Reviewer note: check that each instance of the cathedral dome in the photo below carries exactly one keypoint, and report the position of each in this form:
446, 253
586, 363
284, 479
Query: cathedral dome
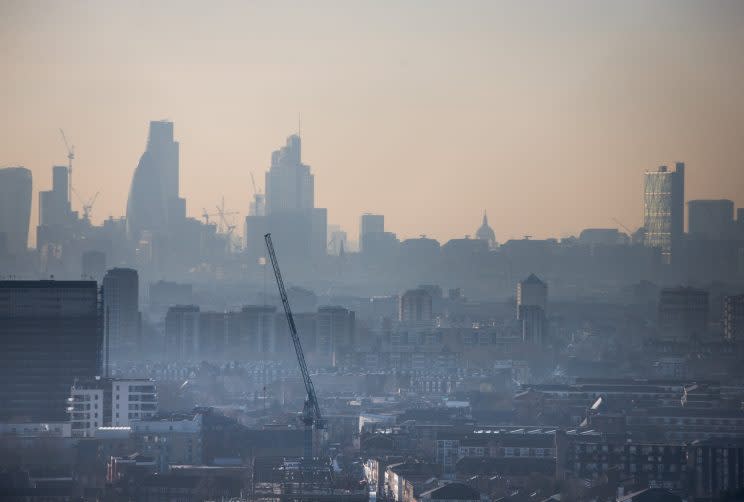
485, 232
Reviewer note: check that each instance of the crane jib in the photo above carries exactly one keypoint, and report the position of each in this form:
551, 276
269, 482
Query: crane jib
312, 399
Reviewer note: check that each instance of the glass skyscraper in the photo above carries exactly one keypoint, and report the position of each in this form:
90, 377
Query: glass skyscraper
664, 209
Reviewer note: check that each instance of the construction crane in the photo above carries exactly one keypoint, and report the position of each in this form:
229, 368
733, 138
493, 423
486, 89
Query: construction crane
311, 415
630, 232
70, 158
87, 206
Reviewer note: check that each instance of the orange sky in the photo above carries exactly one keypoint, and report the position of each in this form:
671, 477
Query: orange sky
544, 113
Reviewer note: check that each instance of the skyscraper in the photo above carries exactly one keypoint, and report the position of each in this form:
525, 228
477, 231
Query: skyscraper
121, 313
289, 184
54, 204
153, 197
664, 209
298, 228
50, 334
15, 208
371, 227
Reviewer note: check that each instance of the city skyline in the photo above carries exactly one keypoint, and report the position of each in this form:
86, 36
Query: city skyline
647, 67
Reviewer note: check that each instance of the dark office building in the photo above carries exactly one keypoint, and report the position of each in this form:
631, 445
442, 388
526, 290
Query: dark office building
50, 334
710, 219
683, 313
15, 208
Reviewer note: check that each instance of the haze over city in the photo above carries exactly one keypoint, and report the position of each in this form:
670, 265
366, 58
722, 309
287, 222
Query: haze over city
372, 251
545, 114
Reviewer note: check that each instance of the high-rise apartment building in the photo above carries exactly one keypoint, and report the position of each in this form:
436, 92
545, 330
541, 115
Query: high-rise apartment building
50, 334
15, 208
182, 336
121, 315
664, 209
334, 330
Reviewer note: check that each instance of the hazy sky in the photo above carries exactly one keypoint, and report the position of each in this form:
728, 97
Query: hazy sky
546, 114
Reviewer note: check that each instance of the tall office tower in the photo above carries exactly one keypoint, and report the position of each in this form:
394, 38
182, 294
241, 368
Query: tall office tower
532, 307
733, 318
710, 219
15, 207
93, 264
121, 316
289, 184
182, 339
153, 201
334, 331
486, 233
664, 209
298, 228
50, 334
258, 333
54, 204
371, 227
683, 313
415, 305
106, 402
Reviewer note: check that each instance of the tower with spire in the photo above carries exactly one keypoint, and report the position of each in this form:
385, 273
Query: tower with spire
485, 232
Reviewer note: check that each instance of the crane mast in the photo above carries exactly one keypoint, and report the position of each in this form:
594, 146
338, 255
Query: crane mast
311, 415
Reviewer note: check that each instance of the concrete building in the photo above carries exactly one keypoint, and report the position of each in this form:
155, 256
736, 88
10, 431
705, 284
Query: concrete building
334, 330
710, 219
258, 331
683, 313
50, 334
415, 306
182, 336
532, 306
110, 402
121, 315
15, 208
664, 209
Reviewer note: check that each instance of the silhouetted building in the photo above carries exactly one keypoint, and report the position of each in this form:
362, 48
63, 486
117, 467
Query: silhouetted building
121, 313
182, 338
664, 209
153, 201
93, 265
602, 236
371, 226
257, 331
334, 331
683, 313
298, 228
486, 233
415, 306
54, 204
710, 219
15, 208
532, 305
733, 318
50, 334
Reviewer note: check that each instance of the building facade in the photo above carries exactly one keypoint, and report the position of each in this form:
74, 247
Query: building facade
664, 209
15, 208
